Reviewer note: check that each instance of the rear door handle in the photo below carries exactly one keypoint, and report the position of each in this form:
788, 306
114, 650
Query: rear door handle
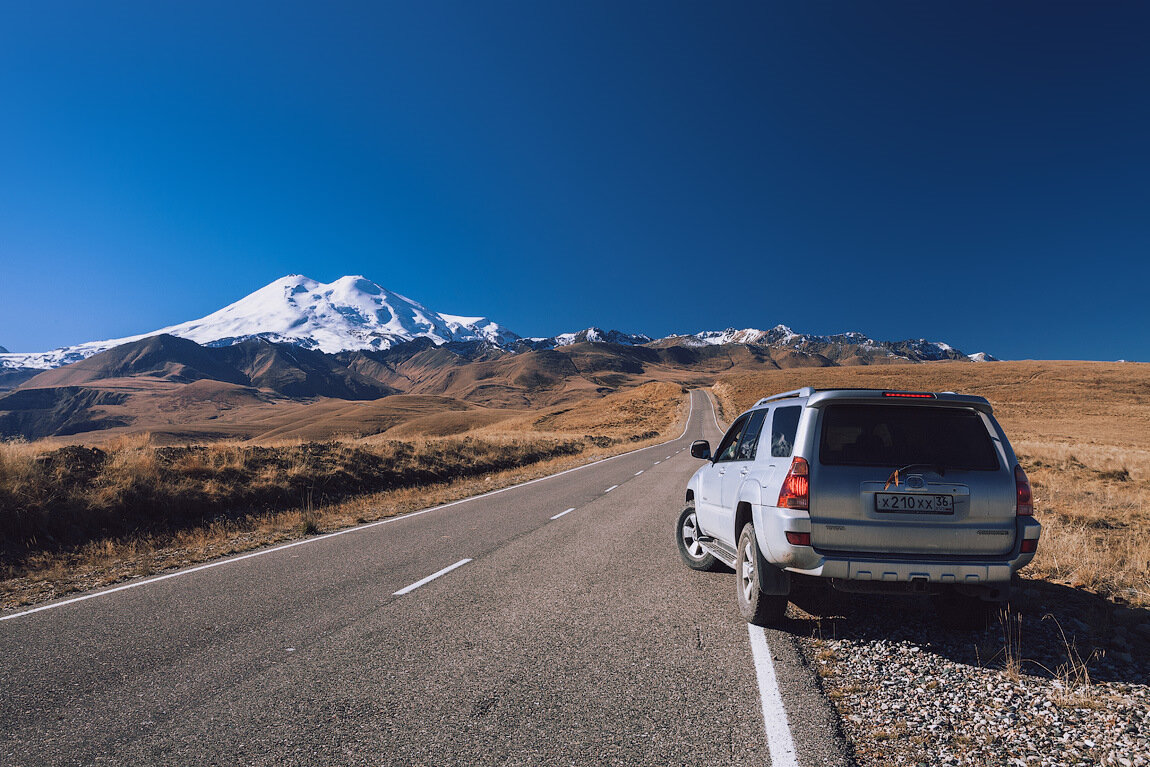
744, 471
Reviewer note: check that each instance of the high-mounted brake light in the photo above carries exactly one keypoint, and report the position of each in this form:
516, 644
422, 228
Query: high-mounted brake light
1023, 503
796, 490
908, 394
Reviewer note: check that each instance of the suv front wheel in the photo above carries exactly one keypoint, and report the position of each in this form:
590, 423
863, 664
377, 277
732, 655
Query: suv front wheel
755, 606
687, 536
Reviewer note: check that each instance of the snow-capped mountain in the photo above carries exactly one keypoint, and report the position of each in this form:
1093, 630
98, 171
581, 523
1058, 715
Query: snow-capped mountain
348, 314
589, 335
781, 336
353, 313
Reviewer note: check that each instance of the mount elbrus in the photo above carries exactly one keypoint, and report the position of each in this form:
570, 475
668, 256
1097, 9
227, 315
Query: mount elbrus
354, 313
298, 341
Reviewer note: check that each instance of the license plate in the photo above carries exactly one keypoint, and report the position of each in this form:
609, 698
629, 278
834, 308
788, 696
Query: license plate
914, 503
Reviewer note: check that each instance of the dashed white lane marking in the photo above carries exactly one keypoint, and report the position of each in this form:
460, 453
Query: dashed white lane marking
336, 534
430, 578
610, 488
658, 462
563, 512
640, 471
779, 741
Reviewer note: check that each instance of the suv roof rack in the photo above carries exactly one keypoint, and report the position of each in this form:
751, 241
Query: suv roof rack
806, 391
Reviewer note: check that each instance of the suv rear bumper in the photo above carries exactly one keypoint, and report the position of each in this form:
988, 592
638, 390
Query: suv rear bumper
927, 572
876, 567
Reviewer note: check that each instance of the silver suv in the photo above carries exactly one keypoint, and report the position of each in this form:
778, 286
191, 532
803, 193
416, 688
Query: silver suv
877, 491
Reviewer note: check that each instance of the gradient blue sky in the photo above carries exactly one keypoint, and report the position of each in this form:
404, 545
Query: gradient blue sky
971, 172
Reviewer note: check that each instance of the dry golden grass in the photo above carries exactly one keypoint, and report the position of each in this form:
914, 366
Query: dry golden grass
75, 519
1080, 429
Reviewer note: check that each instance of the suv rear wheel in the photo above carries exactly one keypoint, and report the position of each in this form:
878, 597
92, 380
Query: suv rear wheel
755, 606
687, 536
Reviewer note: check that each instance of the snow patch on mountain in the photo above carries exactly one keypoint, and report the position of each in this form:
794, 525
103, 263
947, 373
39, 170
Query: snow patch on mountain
351, 313
588, 335
781, 336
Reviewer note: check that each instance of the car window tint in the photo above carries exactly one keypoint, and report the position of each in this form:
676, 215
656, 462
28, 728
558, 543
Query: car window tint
784, 426
749, 443
891, 435
726, 449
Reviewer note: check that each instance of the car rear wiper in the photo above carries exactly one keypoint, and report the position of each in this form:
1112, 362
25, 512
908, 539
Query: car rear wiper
938, 468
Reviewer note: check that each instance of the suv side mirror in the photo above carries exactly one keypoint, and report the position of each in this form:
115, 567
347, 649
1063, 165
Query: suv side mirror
701, 448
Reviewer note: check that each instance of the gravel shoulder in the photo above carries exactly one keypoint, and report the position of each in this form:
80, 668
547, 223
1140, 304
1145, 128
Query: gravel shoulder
1060, 679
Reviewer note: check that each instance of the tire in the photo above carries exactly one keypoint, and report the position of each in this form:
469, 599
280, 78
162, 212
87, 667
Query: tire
687, 536
755, 606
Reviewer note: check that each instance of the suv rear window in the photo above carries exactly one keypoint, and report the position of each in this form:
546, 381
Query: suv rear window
895, 436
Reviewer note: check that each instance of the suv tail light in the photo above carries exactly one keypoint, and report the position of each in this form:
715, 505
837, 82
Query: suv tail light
796, 490
1023, 504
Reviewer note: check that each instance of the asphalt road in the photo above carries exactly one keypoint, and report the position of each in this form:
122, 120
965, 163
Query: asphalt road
575, 640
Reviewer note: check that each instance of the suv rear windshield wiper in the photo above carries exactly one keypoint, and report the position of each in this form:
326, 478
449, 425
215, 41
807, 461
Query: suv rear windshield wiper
938, 468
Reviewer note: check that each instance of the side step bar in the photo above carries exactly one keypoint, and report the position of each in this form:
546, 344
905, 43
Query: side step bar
718, 550
772, 580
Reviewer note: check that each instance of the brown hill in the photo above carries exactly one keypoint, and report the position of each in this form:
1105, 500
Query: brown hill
282, 368
59, 411
256, 389
163, 356
10, 378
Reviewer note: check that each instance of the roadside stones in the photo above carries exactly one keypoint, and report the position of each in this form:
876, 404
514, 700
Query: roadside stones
910, 693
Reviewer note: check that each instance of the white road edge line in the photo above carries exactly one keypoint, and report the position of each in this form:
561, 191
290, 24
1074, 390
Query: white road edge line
345, 531
779, 741
714, 412
610, 488
430, 578
563, 512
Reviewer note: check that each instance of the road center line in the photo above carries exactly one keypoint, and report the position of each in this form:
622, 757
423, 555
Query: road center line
779, 741
658, 462
337, 533
430, 578
610, 488
640, 471
563, 512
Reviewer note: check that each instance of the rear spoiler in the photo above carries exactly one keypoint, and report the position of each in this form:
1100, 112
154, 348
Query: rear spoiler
876, 396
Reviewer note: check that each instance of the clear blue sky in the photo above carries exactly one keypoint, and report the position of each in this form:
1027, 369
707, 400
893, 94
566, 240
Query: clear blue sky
971, 172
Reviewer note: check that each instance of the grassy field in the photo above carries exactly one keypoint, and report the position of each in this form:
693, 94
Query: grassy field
1081, 431
76, 517
73, 518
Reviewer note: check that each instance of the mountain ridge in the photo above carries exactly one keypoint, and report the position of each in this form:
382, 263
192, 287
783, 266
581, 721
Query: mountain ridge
180, 390
353, 313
